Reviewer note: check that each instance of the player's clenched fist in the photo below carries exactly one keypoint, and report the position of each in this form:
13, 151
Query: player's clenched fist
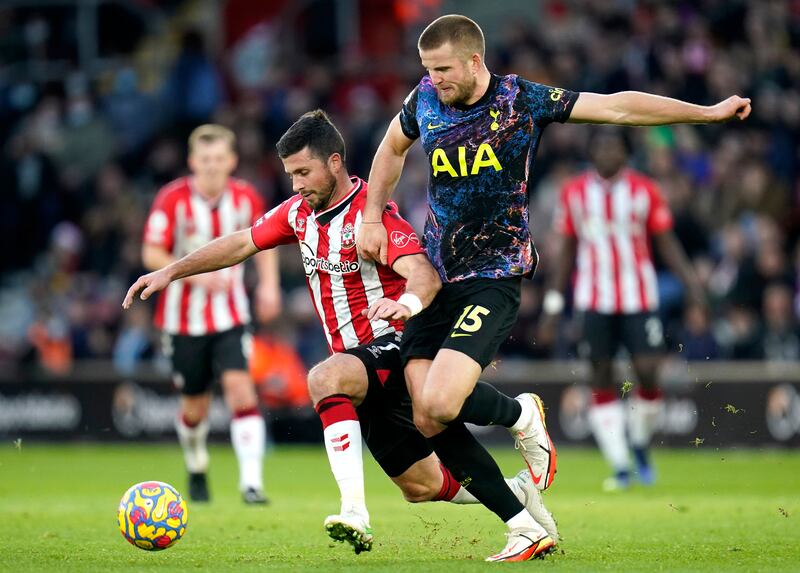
734, 106
147, 285
372, 242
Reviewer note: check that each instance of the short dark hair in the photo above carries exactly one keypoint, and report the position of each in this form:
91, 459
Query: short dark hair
314, 130
599, 132
462, 33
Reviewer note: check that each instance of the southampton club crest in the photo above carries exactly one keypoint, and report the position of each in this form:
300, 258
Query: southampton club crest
348, 236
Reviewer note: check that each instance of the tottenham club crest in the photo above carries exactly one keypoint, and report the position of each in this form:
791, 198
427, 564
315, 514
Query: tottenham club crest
348, 237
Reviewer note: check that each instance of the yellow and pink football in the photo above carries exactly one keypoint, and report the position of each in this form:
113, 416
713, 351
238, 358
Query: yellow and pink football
152, 515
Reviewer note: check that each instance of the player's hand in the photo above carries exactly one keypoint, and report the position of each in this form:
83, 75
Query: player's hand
268, 302
734, 106
372, 242
213, 282
387, 309
146, 285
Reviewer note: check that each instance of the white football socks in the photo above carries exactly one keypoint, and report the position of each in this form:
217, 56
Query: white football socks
608, 425
644, 419
248, 435
343, 445
193, 441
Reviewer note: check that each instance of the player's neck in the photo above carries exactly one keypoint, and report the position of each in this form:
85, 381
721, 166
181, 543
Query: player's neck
612, 177
484, 78
208, 191
343, 186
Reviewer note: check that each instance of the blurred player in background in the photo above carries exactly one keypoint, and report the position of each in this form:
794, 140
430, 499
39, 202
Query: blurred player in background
204, 319
480, 132
607, 218
360, 391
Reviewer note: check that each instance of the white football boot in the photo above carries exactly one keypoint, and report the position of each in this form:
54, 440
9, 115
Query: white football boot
524, 545
534, 443
533, 502
351, 527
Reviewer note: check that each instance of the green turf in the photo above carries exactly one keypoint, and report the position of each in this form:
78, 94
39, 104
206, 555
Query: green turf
710, 511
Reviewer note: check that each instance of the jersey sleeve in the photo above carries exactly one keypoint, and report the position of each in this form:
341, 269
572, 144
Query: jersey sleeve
547, 104
564, 224
273, 228
159, 230
402, 238
408, 115
659, 219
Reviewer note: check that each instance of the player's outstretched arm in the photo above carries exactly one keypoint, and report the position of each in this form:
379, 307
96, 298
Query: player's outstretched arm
218, 254
383, 177
638, 108
422, 284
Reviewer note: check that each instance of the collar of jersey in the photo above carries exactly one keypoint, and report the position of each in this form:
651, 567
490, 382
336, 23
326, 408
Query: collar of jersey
608, 184
212, 203
493, 81
324, 217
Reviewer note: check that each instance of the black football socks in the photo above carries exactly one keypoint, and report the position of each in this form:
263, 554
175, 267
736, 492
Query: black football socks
488, 406
475, 469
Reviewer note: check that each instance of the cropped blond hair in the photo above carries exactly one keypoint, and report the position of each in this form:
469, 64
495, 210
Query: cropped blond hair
211, 132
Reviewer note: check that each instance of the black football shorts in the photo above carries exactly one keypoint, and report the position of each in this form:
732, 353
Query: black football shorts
197, 361
386, 417
603, 334
472, 316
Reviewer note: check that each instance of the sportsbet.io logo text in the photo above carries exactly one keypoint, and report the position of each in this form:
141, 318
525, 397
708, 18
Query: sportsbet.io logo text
312, 263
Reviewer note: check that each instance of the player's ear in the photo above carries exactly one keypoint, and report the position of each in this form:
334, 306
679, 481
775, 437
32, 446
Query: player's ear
335, 163
475, 63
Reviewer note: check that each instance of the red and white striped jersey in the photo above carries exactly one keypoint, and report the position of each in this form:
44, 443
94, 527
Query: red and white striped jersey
613, 221
341, 283
181, 220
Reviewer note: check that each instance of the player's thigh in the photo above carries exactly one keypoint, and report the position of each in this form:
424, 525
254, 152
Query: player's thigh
643, 334
422, 481
484, 311
644, 339
600, 337
342, 373
191, 362
416, 372
387, 420
451, 378
425, 333
230, 351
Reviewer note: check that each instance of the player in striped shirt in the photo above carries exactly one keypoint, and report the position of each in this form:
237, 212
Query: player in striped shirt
204, 318
360, 390
607, 217
480, 132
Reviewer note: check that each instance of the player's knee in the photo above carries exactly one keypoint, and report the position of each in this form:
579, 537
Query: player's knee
194, 410
428, 427
239, 390
324, 380
335, 376
440, 409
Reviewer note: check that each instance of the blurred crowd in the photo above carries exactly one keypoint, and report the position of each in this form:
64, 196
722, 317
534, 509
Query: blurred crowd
83, 157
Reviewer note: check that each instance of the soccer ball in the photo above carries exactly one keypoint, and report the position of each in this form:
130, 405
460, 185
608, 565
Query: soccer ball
152, 515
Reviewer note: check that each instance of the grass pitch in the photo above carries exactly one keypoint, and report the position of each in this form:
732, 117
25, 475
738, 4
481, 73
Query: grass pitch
711, 510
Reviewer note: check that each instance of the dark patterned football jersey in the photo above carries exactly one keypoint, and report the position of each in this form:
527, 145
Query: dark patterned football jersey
480, 157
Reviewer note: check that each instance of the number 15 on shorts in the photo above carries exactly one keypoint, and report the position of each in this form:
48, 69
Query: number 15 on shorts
470, 321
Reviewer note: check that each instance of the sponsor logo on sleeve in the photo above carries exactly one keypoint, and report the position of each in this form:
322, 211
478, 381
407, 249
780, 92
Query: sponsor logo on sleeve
400, 239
